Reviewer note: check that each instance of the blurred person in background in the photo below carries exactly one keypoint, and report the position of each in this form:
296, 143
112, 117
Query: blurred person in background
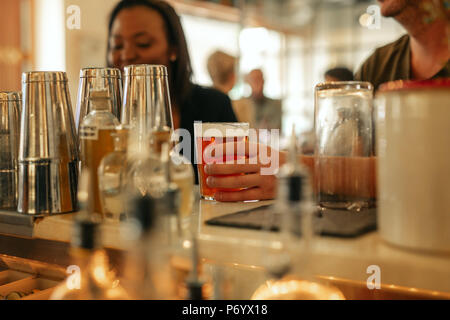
267, 112
222, 70
150, 32
423, 53
338, 74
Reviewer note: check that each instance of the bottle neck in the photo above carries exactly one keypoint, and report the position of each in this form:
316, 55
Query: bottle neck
100, 105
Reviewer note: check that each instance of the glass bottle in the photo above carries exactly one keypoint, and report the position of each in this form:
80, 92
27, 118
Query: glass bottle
112, 175
182, 174
91, 277
147, 271
289, 265
95, 138
145, 172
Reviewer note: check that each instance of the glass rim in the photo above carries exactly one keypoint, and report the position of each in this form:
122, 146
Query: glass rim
359, 85
10, 96
219, 129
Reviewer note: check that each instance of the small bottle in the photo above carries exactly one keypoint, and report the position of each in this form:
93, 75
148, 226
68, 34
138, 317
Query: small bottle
147, 271
145, 172
291, 264
194, 284
95, 137
112, 175
182, 174
295, 197
91, 277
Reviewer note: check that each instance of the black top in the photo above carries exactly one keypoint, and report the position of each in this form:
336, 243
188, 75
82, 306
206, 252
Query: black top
206, 105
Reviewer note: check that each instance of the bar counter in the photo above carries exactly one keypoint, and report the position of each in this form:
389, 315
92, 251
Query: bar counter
340, 260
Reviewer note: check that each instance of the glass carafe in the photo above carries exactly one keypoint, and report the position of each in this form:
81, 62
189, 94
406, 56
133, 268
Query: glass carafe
112, 175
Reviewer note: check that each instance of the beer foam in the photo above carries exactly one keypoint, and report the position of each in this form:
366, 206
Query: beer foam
221, 129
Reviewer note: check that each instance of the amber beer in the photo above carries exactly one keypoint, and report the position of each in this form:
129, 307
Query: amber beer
210, 133
159, 137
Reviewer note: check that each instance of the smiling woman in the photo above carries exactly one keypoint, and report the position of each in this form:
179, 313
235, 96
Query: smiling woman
150, 32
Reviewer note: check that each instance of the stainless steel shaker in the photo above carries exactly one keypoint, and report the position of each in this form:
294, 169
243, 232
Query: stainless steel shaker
48, 151
146, 100
112, 80
9, 147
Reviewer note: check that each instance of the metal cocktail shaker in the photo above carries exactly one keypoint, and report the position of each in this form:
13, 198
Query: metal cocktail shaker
146, 99
9, 147
112, 79
48, 152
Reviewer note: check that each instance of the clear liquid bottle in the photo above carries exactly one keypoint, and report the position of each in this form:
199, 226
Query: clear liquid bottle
290, 265
91, 277
112, 175
147, 271
95, 138
182, 174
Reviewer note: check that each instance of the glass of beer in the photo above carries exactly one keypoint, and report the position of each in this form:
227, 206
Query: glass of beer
209, 137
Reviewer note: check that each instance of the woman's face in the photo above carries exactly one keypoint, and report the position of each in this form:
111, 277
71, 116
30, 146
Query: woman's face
138, 36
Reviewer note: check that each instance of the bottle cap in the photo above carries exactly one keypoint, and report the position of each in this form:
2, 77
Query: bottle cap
86, 234
296, 188
195, 290
143, 211
99, 93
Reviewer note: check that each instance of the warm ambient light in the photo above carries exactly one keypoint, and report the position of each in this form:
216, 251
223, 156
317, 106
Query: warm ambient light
366, 20
50, 35
296, 290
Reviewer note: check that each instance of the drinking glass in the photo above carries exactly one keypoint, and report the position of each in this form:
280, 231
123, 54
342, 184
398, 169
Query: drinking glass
10, 106
344, 159
146, 102
208, 134
48, 150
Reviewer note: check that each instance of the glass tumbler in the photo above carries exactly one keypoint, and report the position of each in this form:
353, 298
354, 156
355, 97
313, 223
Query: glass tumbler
209, 134
344, 174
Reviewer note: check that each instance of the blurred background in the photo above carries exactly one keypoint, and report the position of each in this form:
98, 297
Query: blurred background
292, 41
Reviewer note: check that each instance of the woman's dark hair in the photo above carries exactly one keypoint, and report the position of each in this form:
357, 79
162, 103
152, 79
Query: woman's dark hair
340, 73
180, 69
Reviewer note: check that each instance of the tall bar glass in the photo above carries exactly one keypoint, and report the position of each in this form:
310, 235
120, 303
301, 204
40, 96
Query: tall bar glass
207, 134
10, 106
48, 151
344, 153
146, 102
